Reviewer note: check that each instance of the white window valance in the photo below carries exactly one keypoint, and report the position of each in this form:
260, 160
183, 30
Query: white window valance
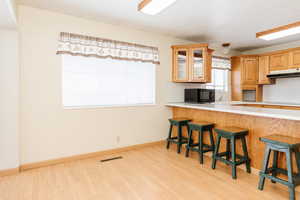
221, 63
81, 45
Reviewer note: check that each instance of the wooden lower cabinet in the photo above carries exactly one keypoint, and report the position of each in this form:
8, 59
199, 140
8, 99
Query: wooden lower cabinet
257, 126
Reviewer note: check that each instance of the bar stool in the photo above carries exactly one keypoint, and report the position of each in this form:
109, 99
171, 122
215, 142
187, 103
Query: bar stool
179, 139
287, 145
201, 127
231, 134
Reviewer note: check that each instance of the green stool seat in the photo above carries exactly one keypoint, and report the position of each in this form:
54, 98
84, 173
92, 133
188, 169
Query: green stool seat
287, 145
179, 139
231, 134
201, 127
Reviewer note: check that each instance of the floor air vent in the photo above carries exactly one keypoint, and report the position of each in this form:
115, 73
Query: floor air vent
110, 159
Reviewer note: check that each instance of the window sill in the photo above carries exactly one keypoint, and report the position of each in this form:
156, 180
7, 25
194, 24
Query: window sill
107, 106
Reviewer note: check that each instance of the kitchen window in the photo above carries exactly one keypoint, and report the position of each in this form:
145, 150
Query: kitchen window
220, 78
92, 82
103, 72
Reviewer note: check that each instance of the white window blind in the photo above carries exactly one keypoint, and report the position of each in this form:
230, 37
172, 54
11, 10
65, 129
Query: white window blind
89, 82
220, 78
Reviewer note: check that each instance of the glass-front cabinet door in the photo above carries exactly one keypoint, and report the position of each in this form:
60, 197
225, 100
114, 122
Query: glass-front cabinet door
192, 63
197, 64
181, 65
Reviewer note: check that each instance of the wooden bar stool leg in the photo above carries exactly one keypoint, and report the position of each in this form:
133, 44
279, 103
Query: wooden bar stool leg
212, 142
228, 155
289, 164
297, 154
201, 146
179, 139
275, 165
244, 145
233, 155
169, 136
190, 142
214, 162
264, 168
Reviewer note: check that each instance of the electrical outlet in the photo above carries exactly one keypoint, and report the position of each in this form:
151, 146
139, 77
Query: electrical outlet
118, 139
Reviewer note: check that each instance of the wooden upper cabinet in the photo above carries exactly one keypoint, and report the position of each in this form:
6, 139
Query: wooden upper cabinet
236, 90
192, 63
279, 61
264, 70
294, 59
249, 71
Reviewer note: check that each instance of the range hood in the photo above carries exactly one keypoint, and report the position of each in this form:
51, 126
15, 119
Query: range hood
290, 73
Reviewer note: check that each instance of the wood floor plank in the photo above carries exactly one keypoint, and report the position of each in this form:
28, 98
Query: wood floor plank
144, 174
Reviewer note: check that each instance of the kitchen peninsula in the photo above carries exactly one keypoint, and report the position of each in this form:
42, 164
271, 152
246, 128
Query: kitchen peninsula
259, 121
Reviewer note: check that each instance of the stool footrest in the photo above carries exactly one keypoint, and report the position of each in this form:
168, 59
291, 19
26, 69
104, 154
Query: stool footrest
175, 141
194, 145
203, 151
279, 180
240, 159
296, 176
197, 145
223, 154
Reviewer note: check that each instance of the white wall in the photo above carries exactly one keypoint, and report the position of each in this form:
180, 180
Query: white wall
285, 90
47, 130
9, 100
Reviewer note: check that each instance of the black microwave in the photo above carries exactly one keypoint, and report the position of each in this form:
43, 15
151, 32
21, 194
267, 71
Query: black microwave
195, 95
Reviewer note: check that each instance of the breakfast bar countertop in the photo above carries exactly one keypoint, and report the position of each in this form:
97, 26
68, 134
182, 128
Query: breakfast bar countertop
232, 107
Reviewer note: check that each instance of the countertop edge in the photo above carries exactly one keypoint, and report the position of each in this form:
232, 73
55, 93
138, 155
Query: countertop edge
251, 113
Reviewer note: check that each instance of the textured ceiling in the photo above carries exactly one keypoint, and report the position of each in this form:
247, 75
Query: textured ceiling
214, 21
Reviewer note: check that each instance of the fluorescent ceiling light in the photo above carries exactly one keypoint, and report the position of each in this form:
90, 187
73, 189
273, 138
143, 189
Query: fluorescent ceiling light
280, 32
153, 7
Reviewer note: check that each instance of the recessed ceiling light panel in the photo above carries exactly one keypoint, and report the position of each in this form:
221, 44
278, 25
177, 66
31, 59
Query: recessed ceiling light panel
153, 7
280, 32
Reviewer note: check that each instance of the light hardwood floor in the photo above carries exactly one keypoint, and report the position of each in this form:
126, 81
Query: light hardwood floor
151, 173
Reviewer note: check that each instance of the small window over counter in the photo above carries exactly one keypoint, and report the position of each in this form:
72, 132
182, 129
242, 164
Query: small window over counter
220, 78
